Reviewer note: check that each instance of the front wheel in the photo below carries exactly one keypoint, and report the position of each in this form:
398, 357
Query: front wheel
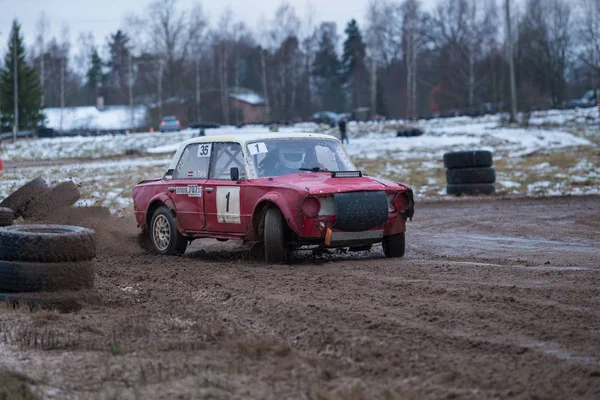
394, 245
166, 239
274, 237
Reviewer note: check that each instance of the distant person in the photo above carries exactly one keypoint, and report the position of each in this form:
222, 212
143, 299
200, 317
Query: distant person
342, 126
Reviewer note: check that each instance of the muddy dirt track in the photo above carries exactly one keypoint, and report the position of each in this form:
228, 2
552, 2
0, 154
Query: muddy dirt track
495, 299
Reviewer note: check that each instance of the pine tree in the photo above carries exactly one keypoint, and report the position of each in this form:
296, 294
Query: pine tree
118, 64
29, 90
326, 71
353, 68
95, 77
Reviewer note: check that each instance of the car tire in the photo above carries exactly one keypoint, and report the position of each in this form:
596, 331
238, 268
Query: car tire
471, 189
61, 196
165, 237
274, 237
7, 216
47, 243
21, 197
470, 175
468, 159
394, 245
18, 276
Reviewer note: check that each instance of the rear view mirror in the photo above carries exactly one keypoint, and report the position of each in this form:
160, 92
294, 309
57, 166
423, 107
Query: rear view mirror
235, 174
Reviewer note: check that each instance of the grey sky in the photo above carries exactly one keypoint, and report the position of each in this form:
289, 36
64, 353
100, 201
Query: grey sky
102, 17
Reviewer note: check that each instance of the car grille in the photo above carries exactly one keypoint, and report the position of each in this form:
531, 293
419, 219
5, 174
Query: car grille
359, 211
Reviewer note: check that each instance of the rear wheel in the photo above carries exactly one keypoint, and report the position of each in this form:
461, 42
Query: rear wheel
166, 239
274, 237
394, 245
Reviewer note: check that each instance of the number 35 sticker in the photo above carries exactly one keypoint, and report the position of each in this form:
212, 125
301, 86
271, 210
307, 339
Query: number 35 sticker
204, 150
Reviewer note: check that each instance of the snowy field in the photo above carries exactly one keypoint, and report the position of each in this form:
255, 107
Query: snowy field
557, 154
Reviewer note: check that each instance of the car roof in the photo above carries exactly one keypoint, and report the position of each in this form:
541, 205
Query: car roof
247, 137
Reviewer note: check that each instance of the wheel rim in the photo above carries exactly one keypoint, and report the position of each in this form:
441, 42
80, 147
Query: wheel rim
161, 233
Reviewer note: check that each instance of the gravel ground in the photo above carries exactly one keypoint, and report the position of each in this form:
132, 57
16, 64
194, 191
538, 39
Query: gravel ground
496, 298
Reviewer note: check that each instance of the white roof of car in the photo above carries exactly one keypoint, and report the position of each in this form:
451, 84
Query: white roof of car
246, 137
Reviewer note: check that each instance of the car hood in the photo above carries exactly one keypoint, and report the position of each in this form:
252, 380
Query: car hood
319, 183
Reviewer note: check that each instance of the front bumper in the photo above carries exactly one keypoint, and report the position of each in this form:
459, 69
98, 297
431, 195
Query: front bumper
343, 239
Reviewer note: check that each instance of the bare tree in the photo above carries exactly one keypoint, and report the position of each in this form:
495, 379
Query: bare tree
43, 27
588, 31
543, 49
66, 47
414, 40
223, 38
309, 48
197, 34
466, 28
511, 63
384, 30
86, 44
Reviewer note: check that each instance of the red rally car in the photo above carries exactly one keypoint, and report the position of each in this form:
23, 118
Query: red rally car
284, 190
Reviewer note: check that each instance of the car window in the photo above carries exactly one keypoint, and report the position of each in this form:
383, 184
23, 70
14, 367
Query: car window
276, 157
194, 162
169, 119
225, 157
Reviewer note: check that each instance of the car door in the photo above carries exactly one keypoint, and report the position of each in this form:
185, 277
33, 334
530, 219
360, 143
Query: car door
187, 183
222, 196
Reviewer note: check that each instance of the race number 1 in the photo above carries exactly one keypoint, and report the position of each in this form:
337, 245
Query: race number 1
257, 148
228, 205
204, 150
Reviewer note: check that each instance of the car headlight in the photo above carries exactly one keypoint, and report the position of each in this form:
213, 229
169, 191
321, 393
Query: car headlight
311, 207
327, 205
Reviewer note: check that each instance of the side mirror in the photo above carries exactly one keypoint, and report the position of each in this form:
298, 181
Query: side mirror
234, 173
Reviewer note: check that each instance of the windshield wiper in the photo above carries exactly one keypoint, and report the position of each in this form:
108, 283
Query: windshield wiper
314, 169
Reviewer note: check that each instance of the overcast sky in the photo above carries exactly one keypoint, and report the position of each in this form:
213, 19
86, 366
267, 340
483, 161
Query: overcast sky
102, 17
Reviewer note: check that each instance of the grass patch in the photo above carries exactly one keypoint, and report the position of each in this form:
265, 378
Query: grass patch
261, 346
15, 386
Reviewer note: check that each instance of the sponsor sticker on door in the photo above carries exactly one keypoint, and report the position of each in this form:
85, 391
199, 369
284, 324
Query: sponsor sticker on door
190, 190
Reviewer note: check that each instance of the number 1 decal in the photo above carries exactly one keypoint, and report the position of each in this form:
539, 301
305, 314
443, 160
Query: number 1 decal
228, 205
257, 148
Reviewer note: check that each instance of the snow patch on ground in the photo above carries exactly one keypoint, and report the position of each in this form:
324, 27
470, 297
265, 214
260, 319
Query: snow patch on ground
90, 118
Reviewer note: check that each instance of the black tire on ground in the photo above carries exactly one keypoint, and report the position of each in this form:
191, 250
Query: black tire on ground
276, 251
470, 175
64, 301
18, 276
21, 197
47, 243
472, 189
61, 196
7, 216
166, 239
468, 159
394, 245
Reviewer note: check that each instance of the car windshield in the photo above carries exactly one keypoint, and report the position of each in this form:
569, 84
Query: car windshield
169, 119
276, 157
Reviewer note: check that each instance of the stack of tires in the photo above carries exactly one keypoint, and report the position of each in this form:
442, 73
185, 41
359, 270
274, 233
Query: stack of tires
46, 266
470, 173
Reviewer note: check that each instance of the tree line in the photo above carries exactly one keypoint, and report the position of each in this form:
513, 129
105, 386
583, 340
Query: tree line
404, 62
